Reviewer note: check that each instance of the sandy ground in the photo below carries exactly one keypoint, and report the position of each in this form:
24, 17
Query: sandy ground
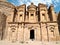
30, 43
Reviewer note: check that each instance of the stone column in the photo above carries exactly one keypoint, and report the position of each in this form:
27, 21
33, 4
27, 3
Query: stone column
23, 17
47, 32
29, 16
56, 31
41, 31
34, 16
47, 18
26, 34
38, 35
44, 32
54, 16
40, 16
23, 32
6, 31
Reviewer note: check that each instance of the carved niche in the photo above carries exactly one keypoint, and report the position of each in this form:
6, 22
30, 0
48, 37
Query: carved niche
52, 27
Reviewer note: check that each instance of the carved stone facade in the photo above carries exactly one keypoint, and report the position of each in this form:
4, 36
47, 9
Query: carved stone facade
32, 23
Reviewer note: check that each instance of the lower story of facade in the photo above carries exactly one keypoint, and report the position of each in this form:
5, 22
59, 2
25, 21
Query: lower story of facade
31, 31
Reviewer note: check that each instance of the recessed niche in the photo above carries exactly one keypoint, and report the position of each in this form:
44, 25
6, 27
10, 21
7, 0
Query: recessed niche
31, 14
20, 15
43, 14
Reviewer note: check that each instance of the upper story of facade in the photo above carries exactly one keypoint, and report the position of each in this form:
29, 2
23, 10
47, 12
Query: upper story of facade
31, 13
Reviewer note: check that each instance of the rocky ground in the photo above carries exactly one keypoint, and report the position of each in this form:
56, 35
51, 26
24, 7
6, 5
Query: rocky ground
30, 43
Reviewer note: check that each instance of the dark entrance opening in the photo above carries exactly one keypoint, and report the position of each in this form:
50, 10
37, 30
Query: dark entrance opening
32, 34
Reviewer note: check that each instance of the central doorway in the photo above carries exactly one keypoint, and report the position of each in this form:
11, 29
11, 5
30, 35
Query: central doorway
32, 34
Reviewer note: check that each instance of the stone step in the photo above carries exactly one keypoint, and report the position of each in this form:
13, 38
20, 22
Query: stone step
30, 43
